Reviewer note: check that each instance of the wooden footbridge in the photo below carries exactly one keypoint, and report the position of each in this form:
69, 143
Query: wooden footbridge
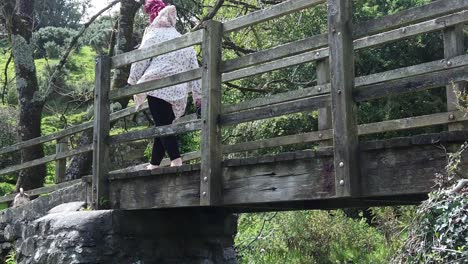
349, 173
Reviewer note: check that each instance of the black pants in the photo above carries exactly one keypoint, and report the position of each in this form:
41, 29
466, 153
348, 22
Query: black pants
162, 115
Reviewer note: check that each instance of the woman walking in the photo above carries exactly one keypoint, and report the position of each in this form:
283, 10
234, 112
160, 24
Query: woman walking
167, 104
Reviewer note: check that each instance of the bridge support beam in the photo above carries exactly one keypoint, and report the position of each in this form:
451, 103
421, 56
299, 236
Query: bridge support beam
100, 189
454, 46
344, 118
211, 153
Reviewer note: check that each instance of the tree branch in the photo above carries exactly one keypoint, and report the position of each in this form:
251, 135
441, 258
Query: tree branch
71, 46
210, 15
5, 73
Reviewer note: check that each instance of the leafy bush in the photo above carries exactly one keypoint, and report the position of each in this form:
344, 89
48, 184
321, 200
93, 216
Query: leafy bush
440, 232
52, 50
6, 188
309, 237
8, 136
57, 35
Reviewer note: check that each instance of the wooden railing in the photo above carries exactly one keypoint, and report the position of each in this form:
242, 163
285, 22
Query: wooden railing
337, 90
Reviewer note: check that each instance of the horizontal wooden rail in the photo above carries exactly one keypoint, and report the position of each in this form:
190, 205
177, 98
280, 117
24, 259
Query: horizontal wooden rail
403, 18
178, 78
411, 84
365, 129
152, 132
409, 31
266, 14
273, 110
39, 191
69, 131
184, 41
412, 15
316, 136
277, 98
307, 99
47, 159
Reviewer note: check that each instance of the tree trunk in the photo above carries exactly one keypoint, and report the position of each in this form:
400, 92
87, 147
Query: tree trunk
81, 165
30, 105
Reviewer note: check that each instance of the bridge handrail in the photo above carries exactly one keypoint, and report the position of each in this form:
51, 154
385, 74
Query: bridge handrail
416, 14
435, 16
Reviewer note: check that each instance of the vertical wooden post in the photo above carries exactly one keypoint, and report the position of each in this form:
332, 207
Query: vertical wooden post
211, 155
61, 164
454, 46
345, 137
324, 114
100, 192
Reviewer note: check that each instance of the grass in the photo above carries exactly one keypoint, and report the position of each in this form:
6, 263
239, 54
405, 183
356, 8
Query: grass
80, 64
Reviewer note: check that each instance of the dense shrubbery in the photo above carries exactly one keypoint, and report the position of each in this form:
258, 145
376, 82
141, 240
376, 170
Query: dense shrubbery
314, 237
51, 40
440, 232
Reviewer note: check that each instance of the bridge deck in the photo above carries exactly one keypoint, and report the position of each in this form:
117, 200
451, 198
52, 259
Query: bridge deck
395, 171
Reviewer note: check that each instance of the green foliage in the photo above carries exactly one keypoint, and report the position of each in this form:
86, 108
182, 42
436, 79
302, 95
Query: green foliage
11, 257
46, 37
309, 237
6, 188
60, 13
98, 35
440, 232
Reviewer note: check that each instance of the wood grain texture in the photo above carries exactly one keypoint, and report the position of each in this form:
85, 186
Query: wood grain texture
389, 168
176, 128
47, 159
454, 46
178, 78
211, 155
411, 84
267, 63
275, 11
344, 115
100, 190
324, 114
273, 110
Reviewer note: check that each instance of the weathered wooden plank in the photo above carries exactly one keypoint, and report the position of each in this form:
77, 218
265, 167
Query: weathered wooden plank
400, 73
324, 114
277, 98
211, 155
364, 129
100, 189
178, 78
301, 177
411, 84
387, 23
159, 131
273, 110
263, 15
322, 53
454, 46
68, 131
61, 164
423, 27
345, 137
46, 159
412, 122
190, 39
412, 15
409, 71
279, 52
39, 191
279, 141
